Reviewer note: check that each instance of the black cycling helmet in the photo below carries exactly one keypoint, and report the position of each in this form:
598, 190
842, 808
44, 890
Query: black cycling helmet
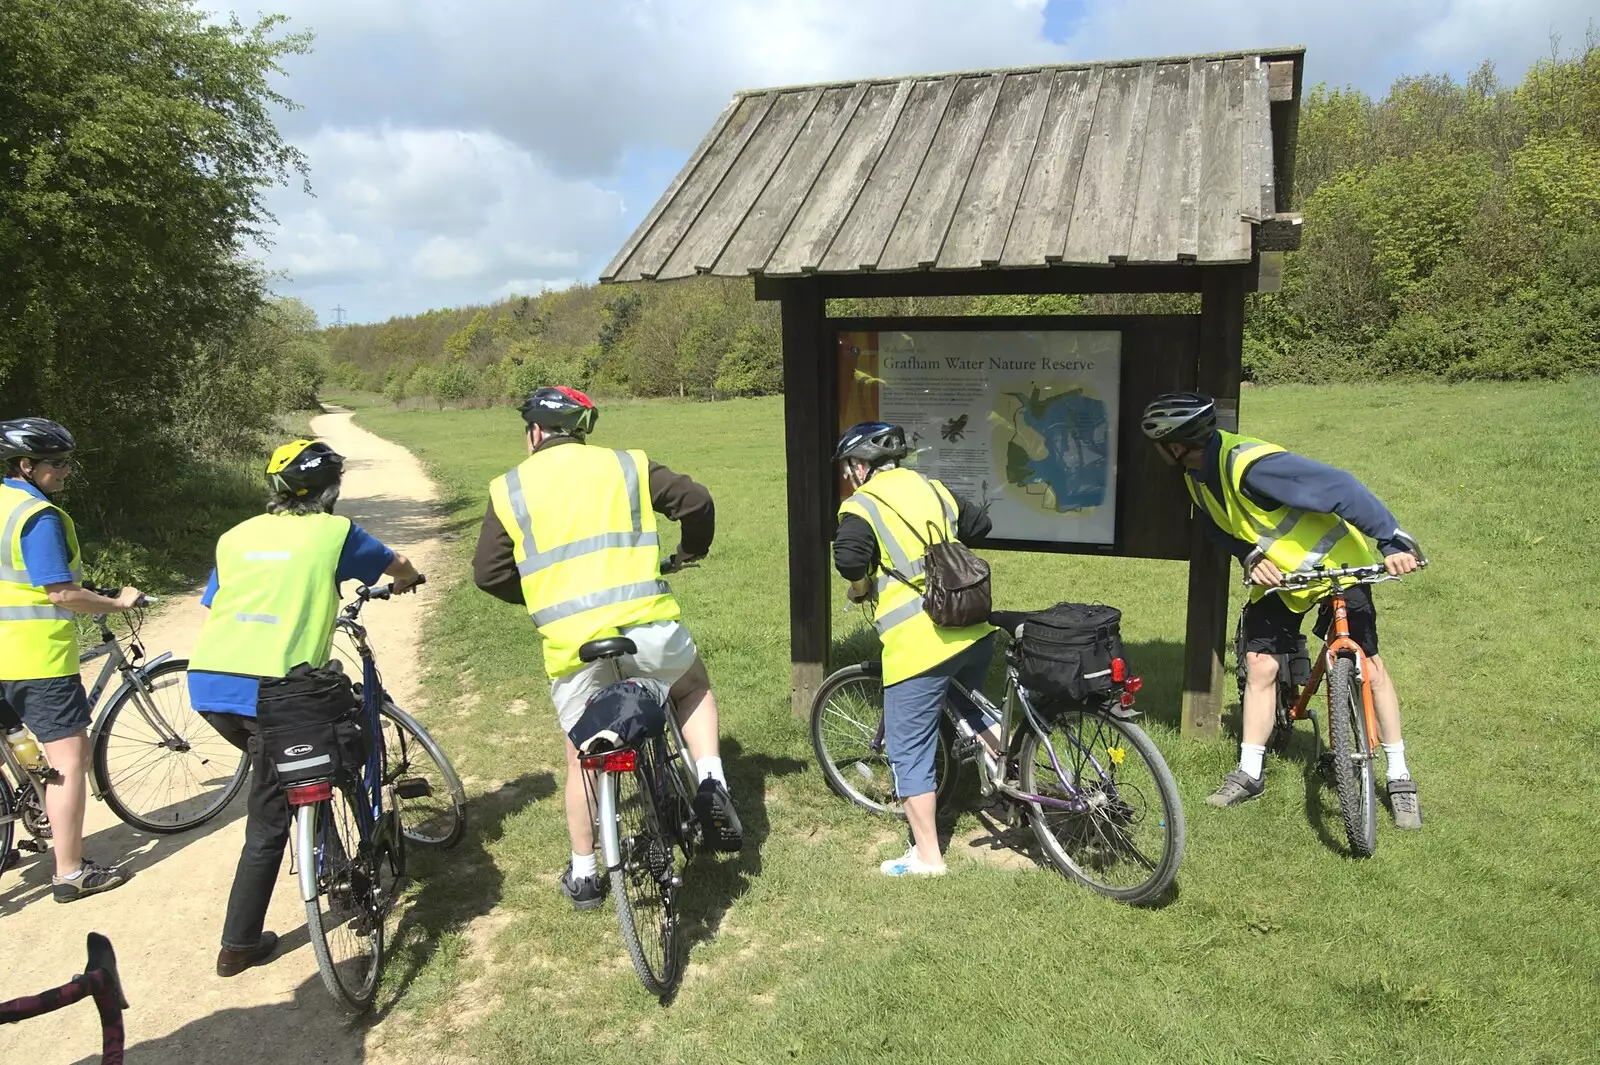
1180, 418
560, 409
34, 438
301, 467
872, 443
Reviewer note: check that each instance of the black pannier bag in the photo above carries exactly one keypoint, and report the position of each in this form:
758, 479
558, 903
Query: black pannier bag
311, 726
621, 715
1066, 651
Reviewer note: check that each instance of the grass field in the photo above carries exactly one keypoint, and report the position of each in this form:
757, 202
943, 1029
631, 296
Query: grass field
1474, 940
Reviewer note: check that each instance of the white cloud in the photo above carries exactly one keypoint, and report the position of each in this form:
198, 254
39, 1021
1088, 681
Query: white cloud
455, 215
459, 148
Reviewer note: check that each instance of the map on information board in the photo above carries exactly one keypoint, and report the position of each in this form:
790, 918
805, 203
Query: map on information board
1023, 422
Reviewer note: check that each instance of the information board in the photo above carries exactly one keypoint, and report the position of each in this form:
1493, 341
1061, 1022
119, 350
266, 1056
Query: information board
1023, 422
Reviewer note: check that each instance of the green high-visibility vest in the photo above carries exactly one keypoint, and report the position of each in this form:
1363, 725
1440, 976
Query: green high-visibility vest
37, 638
912, 643
1294, 540
277, 595
584, 538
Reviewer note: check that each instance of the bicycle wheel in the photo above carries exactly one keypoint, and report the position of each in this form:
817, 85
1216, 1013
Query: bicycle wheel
845, 719
8, 827
1123, 833
345, 920
1352, 758
157, 763
643, 885
435, 815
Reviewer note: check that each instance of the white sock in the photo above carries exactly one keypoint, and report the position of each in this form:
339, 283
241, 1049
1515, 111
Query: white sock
711, 767
583, 865
1395, 755
1251, 756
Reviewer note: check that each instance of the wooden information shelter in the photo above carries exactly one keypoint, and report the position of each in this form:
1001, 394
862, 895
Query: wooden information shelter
1134, 176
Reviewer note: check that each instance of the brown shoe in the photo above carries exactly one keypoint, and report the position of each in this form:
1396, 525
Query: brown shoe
234, 962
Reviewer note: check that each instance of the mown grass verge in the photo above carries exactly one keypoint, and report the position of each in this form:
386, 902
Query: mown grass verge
1472, 940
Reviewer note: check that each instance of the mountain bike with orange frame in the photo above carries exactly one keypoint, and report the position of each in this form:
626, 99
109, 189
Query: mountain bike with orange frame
1352, 719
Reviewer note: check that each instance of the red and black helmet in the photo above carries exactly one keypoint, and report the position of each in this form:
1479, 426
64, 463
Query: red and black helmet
560, 409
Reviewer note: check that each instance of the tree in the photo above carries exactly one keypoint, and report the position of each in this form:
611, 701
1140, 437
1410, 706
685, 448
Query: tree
136, 146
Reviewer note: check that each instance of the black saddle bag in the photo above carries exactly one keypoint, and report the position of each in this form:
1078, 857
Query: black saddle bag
1066, 651
312, 727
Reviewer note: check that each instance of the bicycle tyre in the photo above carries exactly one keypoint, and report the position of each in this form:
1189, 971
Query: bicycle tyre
873, 767
451, 818
1165, 871
8, 829
636, 888
354, 997
1352, 759
123, 804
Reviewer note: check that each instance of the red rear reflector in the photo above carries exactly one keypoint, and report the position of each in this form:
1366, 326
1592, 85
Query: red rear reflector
1119, 670
1127, 698
614, 762
306, 794
1134, 683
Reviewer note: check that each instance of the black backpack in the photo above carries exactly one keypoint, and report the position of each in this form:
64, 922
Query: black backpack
1066, 651
311, 725
955, 584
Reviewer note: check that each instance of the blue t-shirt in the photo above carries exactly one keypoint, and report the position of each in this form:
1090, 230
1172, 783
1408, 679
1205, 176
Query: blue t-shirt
45, 554
363, 558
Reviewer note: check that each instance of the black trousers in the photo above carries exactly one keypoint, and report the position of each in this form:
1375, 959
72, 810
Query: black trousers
266, 833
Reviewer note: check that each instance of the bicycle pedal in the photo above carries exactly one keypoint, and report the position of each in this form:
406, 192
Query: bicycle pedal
32, 846
413, 788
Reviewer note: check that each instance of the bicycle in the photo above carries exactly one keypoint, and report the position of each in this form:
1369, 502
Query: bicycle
1352, 724
1065, 768
154, 761
351, 834
100, 981
643, 798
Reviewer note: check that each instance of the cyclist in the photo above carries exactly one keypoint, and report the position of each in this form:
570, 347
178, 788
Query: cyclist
879, 520
571, 534
40, 590
1277, 512
272, 600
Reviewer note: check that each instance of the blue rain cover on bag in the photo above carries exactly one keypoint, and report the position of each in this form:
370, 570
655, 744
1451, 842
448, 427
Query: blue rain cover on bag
621, 715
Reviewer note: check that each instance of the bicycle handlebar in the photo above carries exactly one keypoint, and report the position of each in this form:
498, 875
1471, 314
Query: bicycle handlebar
1373, 574
384, 590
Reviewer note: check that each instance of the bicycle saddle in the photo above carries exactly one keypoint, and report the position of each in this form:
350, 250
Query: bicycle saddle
102, 957
613, 647
1009, 620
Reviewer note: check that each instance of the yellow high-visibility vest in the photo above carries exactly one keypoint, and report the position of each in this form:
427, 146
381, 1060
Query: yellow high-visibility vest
584, 538
912, 643
277, 595
37, 638
1294, 540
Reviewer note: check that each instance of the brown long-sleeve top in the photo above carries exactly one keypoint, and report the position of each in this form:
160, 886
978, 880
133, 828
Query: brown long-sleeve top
675, 496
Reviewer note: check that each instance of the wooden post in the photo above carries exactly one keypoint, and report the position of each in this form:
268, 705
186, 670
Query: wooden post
1221, 352
808, 400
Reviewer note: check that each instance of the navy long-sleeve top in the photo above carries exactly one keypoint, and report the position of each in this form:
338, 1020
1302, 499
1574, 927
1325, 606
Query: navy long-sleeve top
1290, 480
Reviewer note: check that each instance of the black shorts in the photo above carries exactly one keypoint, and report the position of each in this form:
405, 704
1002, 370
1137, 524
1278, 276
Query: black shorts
53, 708
1271, 628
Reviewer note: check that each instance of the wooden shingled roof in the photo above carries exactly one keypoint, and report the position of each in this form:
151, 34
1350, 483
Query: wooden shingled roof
1133, 161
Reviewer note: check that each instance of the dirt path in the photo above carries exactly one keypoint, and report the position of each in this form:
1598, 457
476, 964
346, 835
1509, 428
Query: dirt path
166, 921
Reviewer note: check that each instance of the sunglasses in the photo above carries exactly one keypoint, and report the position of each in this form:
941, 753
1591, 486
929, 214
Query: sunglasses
57, 464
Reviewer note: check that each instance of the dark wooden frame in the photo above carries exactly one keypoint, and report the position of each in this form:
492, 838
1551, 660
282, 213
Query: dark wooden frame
811, 413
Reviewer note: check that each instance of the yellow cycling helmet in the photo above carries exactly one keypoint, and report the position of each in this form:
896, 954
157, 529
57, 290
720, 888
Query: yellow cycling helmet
301, 467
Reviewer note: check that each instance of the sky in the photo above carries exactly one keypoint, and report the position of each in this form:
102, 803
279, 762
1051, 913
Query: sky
464, 151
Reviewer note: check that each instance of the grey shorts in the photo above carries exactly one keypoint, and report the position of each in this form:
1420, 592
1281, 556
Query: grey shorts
666, 652
53, 708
